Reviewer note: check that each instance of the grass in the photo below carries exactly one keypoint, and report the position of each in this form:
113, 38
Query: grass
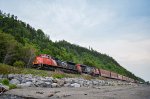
58, 75
12, 86
7, 69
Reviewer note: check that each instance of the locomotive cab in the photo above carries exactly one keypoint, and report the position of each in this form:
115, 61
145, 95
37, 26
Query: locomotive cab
43, 61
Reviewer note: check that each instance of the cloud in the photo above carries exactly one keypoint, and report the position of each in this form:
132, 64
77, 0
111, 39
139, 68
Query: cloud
118, 28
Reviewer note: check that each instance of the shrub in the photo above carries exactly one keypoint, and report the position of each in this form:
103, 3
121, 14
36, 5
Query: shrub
12, 86
19, 64
5, 81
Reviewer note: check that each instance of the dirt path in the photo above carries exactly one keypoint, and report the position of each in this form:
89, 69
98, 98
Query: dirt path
104, 92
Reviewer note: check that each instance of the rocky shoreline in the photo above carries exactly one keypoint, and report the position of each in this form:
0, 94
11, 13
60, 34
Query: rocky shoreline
29, 81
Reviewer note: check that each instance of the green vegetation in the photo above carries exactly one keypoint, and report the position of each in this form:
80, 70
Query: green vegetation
6, 82
19, 64
12, 86
6, 69
21, 42
58, 75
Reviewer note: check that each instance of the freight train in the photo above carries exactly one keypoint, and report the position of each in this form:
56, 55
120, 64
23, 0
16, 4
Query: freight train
48, 62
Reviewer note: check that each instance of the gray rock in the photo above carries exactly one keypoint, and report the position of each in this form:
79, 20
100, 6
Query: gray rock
81, 82
28, 80
54, 85
54, 80
95, 82
86, 83
67, 80
28, 76
15, 81
34, 80
5, 76
67, 85
46, 79
40, 83
75, 81
10, 76
27, 84
51, 78
1, 76
4, 87
60, 82
23, 80
76, 85
48, 84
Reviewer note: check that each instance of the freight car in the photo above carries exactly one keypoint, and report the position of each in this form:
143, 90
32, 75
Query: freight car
114, 75
48, 62
104, 73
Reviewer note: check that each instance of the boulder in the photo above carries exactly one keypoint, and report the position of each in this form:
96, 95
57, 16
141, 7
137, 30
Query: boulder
28, 79
75, 80
23, 80
95, 82
27, 84
40, 83
46, 79
54, 80
67, 80
60, 82
28, 76
1, 75
76, 85
67, 85
3, 87
48, 84
14, 81
54, 85
10, 76
5, 76
81, 82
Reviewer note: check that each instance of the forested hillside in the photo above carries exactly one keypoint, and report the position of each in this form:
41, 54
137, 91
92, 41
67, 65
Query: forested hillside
19, 42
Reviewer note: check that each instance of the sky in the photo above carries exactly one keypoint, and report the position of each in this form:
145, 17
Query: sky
118, 28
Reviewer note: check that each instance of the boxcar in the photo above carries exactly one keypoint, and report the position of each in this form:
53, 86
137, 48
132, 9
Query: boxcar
119, 77
124, 78
104, 73
114, 75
